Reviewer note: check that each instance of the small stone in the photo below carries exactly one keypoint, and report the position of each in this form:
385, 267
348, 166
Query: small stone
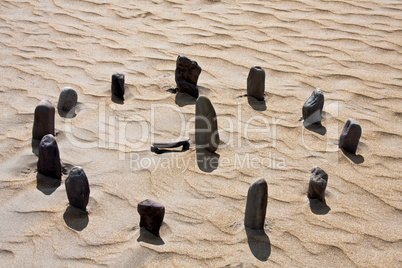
151, 213
77, 188
186, 75
43, 120
49, 158
118, 85
350, 136
256, 207
317, 185
171, 143
256, 83
312, 108
67, 99
206, 125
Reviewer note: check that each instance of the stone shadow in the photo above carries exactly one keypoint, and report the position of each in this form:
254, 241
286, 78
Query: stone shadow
206, 160
147, 237
76, 218
45, 184
256, 104
259, 244
318, 207
357, 159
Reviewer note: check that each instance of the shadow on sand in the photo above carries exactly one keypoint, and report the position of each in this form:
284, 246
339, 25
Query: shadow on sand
318, 207
206, 160
149, 238
183, 99
46, 185
76, 218
256, 104
357, 159
317, 128
259, 244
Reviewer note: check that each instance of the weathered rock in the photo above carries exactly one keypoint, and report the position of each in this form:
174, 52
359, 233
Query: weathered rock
118, 85
186, 75
312, 108
49, 158
256, 207
77, 188
350, 136
256, 83
67, 99
317, 185
151, 213
206, 125
43, 120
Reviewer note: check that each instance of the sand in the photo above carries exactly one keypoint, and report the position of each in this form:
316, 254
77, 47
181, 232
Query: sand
350, 50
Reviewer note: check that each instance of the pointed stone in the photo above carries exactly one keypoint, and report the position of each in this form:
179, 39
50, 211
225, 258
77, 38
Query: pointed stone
67, 99
152, 214
49, 158
206, 125
256, 207
350, 136
312, 108
118, 85
256, 83
77, 188
318, 184
43, 120
186, 75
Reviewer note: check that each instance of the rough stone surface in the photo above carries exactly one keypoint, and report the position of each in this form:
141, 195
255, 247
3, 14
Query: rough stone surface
206, 125
49, 158
43, 120
318, 184
312, 108
67, 100
256, 207
77, 188
256, 83
151, 213
118, 85
186, 75
350, 136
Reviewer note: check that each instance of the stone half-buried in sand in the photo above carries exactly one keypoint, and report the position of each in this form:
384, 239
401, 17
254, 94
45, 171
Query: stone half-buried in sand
49, 158
256, 207
312, 108
186, 75
151, 215
256, 83
118, 89
43, 120
77, 188
67, 100
318, 184
350, 136
206, 125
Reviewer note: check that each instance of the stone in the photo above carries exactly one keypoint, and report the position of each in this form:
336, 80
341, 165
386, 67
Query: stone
151, 215
256, 83
77, 188
312, 108
256, 207
67, 99
171, 143
186, 75
118, 85
206, 125
350, 136
43, 120
317, 185
49, 158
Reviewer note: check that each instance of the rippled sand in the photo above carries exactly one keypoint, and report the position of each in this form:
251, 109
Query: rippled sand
351, 50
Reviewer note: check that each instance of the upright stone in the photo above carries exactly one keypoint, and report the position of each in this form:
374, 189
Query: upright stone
43, 120
151, 215
118, 85
77, 188
67, 100
256, 83
49, 157
206, 125
318, 184
350, 136
256, 207
186, 75
312, 108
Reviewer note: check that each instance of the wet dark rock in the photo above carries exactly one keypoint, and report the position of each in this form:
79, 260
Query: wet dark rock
256, 83
67, 100
151, 213
186, 75
118, 85
77, 188
312, 108
43, 120
206, 125
256, 207
318, 184
49, 158
350, 136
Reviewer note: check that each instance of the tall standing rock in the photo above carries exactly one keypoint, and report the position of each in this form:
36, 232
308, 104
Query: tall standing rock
256, 83
186, 75
206, 125
151, 215
43, 120
67, 100
318, 184
256, 207
312, 108
77, 188
49, 158
350, 136
118, 85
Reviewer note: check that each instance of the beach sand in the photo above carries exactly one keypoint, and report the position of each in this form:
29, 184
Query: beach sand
351, 51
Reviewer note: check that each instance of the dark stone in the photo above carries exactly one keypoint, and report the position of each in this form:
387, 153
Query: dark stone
118, 85
312, 108
67, 100
186, 75
317, 185
256, 207
43, 120
256, 83
206, 125
49, 158
77, 188
350, 136
171, 143
151, 214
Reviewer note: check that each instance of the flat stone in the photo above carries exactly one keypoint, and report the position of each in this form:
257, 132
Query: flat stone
256, 83
312, 108
186, 75
118, 85
151, 215
67, 99
43, 120
318, 184
49, 158
77, 188
171, 143
350, 136
206, 125
256, 207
